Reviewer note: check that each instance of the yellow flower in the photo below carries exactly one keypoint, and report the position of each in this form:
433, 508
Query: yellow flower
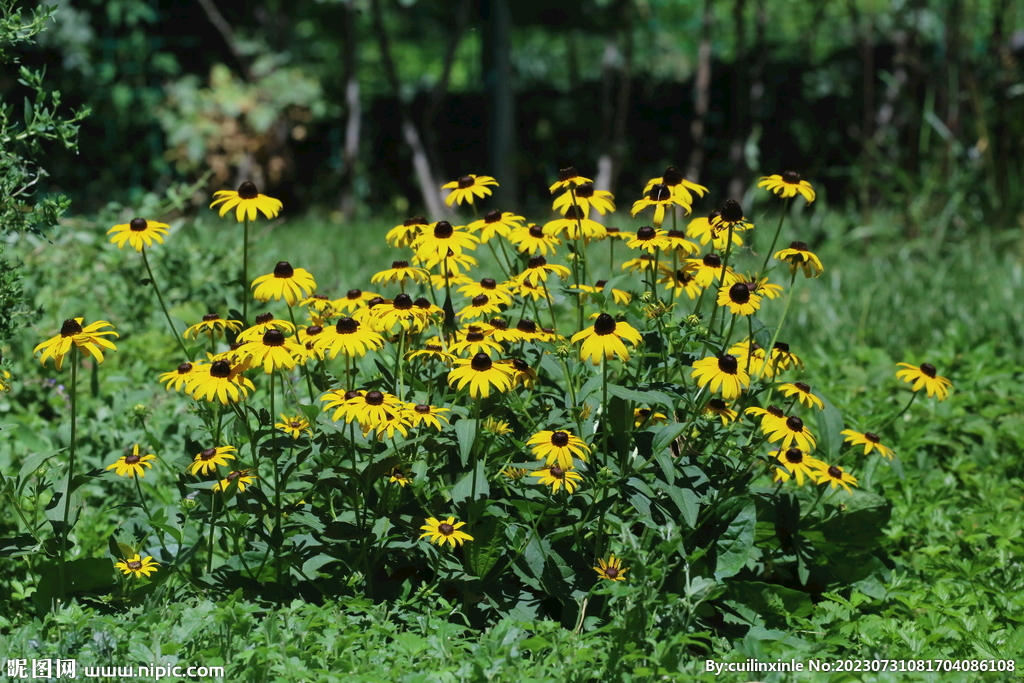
537, 271
799, 256
925, 376
294, 425
723, 373
739, 298
681, 281
442, 240
138, 233
397, 476
354, 300
348, 337
273, 352
207, 460
481, 373
603, 340
496, 427
405, 234
290, 284
790, 430
212, 326
445, 532
646, 417
835, 476
220, 381
177, 379
701, 228
138, 566
575, 224
533, 239
556, 477
401, 270
568, 178
870, 441
586, 197
246, 201
717, 406
803, 394
88, 339
682, 189
496, 223
660, 197
612, 569
132, 465
241, 478
558, 447
264, 323
468, 187
787, 185
424, 413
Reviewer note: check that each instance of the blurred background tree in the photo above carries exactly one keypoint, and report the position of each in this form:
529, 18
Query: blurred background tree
369, 105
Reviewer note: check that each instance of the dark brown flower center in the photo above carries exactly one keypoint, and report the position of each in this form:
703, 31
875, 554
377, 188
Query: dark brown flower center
605, 324
806, 388
465, 182
556, 472
350, 394
137, 224
612, 231
422, 302
585, 190
314, 330
676, 234
184, 368
374, 398
717, 404
220, 369
294, 425
433, 347
575, 213
732, 211
520, 365
775, 411
646, 233
684, 276
526, 325
536, 231
480, 300
567, 174
233, 475
492, 216
537, 262
712, 261
70, 328
488, 283
481, 362
559, 439
283, 269
672, 176
445, 529
209, 317
799, 246
872, 437
375, 301
713, 215
794, 423
475, 337
443, 230
611, 572
928, 369
835, 472
354, 294
791, 177
395, 265
415, 220
600, 284
134, 564
739, 293
264, 318
794, 456
273, 338
659, 193
422, 408
728, 364
132, 459
643, 412
346, 326
207, 454
403, 302
782, 347
247, 190
498, 324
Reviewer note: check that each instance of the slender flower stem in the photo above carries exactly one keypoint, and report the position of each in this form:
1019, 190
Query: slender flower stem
551, 307
160, 298
768, 254
778, 328
898, 415
213, 519
245, 273
303, 369
71, 471
721, 277
399, 367
605, 426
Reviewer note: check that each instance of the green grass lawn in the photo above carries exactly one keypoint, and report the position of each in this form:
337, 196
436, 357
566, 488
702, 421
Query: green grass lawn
947, 581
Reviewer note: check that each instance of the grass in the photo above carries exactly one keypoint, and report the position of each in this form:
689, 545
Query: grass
946, 583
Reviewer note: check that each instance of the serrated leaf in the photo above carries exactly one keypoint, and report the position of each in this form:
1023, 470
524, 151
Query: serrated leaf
734, 545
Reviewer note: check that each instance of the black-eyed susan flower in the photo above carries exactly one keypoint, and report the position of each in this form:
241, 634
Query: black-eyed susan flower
568, 179
319, 307
649, 239
89, 340
176, 379
701, 228
783, 358
799, 463
771, 417
401, 311
739, 298
834, 475
396, 475
558, 478
369, 408
720, 409
240, 478
208, 459
473, 342
133, 464
220, 381
574, 224
528, 289
213, 326
480, 373
802, 392
675, 241
137, 566
264, 323
537, 270
603, 339
495, 291
681, 188
338, 399
468, 188
660, 197
723, 373
348, 337
274, 352
353, 300
751, 357
870, 441
788, 431
586, 198
787, 185
294, 425
611, 569
799, 256
432, 351
426, 414
709, 269
138, 233
454, 279
480, 306
497, 329
645, 417
619, 296
399, 271
447, 531
496, 427
759, 286
532, 239
458, 264
522, 373
681, 281
495, 223
558, 447
286, 282
730, 217
442, 237
925, 376
391, 423
246, 201
513, 473
405, 234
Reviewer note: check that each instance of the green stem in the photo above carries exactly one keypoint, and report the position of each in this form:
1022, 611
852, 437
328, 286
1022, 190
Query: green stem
778, 230
605, 426
898, 415
399, 367
160, 298
778, 329
303, 369
725, 269
213, 519
245, 273
71, 471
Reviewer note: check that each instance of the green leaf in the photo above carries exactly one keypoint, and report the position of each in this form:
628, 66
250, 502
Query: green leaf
762, 333
487, 546
465, 432
735, 544
650, 397
830, 424
32, 464
767, 598
685, 500
464, 489
86, 575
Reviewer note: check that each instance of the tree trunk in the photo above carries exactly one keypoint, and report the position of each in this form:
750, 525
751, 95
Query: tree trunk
429, 187
701, 96
616, 104
440, 91
353, 105
497, 71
